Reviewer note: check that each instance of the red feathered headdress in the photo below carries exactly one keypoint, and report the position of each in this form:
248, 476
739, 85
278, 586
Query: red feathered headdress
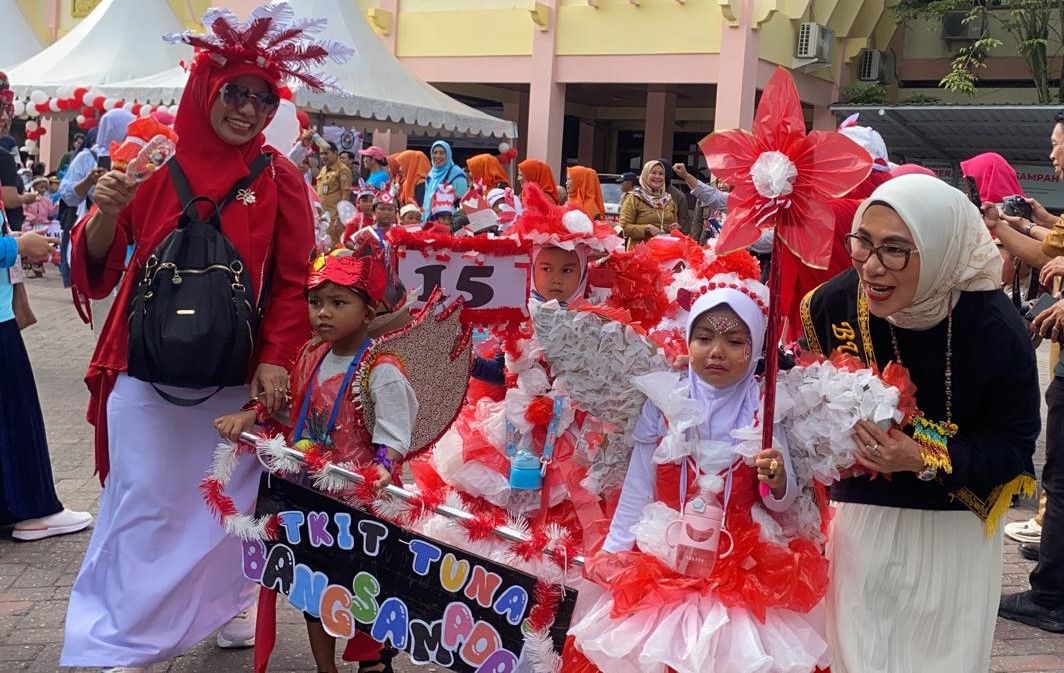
271, 39
364, 272
543, 223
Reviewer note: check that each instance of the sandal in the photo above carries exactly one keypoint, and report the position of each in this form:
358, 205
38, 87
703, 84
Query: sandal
385, 660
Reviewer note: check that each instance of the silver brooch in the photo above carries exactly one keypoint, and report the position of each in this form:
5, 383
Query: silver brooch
245, 196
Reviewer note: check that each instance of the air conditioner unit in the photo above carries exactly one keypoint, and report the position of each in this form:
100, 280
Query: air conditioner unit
871, 65
815, 42
955, 29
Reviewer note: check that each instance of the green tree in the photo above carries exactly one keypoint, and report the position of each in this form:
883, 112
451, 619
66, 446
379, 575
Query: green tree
1035, 27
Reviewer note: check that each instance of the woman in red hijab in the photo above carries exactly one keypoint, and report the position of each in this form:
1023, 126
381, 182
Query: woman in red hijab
538, 173
160, 574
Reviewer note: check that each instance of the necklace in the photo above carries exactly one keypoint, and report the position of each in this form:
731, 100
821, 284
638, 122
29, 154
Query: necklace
933, 436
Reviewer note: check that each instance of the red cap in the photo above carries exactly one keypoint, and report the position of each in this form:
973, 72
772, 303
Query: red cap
375, 152
364, 273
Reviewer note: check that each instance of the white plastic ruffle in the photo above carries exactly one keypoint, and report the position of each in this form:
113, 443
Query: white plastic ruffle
699, 634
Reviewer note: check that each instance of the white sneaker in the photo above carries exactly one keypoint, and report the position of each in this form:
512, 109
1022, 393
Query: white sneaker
60, 523
1024, 531
240, 631
128, 669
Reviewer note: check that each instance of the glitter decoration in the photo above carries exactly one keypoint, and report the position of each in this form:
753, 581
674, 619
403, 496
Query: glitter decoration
435, 353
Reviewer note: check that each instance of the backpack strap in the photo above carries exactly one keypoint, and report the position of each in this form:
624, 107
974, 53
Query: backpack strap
184, 189
255, 169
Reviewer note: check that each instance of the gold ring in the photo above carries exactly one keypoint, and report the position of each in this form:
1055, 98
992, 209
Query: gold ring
773, 466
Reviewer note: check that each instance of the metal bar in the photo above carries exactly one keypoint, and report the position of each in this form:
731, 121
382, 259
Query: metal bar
504, 532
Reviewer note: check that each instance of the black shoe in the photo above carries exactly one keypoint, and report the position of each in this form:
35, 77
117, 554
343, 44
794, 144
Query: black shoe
1021, 608
1029, 550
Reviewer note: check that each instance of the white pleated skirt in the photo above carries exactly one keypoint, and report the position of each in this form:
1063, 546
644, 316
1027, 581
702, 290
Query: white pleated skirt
911, 591
159, 574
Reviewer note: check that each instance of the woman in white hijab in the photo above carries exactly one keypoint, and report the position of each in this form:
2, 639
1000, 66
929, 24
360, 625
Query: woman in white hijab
915, 548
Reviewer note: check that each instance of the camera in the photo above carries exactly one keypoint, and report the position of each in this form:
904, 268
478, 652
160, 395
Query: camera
1016, 206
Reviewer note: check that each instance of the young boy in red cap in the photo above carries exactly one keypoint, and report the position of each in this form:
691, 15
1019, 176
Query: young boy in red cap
344, 291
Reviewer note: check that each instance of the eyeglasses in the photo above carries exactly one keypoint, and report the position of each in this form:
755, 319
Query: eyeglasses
236, 97
891, 256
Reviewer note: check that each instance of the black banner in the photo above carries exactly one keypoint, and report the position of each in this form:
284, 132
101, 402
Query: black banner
439, 604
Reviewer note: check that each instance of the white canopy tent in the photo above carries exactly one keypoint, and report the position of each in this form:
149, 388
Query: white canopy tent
382, 94
19, 41
112, 44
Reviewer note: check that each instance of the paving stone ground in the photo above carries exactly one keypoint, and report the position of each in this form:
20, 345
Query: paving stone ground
35, 578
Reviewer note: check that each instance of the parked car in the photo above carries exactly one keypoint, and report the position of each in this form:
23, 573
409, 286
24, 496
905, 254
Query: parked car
611, 194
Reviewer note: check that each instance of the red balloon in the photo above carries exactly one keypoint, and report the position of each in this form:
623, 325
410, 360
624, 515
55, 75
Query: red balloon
42, 107
135, 108
98, 103
80, 92
119, 103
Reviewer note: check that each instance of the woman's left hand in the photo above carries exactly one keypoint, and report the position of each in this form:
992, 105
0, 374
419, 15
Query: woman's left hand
270, 384
771, 470
885, 452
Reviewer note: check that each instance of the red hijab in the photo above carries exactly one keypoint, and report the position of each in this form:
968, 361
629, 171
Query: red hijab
993, 175
273, 231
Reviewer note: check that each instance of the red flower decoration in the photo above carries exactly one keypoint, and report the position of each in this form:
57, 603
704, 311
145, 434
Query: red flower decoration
540, 411
780, 176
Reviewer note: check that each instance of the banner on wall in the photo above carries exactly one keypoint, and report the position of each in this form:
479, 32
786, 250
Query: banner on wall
439, 604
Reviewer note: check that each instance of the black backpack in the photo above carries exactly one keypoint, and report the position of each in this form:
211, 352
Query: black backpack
192, 322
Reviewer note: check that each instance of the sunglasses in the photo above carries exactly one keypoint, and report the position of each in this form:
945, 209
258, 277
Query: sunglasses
236, 97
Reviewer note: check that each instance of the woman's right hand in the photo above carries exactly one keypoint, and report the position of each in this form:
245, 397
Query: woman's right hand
114, 191
652, 230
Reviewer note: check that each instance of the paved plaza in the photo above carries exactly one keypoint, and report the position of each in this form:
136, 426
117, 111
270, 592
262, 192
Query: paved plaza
35, 577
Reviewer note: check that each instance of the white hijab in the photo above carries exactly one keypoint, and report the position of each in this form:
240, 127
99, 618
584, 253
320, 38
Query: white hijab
733, 406
956, 251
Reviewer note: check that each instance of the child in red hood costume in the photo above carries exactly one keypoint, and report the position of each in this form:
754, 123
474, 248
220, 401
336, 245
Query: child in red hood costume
150, 454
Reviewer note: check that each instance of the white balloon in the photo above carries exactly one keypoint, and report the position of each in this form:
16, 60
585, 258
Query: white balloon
172, 110
31, 110
20, 108
80, 119
109, 103
89, 97
504, 147
283, 130
31, 126
345, 210
53, 104
38, 96
65, 92
145, 110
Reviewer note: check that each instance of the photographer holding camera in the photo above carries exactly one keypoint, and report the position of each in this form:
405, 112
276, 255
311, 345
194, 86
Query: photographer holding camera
1038, 240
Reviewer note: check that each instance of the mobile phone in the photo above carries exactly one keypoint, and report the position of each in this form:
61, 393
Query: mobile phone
1040, 305
103, 162
972, 190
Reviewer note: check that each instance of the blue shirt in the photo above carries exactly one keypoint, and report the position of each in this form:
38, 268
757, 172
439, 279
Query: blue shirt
8, 255
378, 178
79, 169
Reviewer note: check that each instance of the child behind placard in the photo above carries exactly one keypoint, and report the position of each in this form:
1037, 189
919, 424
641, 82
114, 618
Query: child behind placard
344, 291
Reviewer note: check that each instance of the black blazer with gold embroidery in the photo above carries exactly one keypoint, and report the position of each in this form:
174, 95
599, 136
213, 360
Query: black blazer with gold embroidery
995, 395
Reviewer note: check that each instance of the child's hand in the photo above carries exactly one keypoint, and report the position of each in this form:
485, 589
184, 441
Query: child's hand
384, 478
230, 427
771, 471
